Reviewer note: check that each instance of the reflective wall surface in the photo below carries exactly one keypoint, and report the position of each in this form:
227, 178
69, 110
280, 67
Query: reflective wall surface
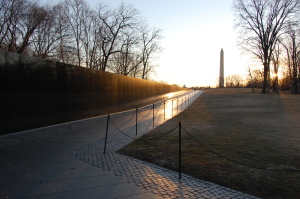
36, 92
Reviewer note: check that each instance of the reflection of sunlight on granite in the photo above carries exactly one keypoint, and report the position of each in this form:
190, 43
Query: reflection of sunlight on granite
168, 109
173, 107
170, 95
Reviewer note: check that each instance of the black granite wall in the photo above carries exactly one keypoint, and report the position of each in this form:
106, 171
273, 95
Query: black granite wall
36, 92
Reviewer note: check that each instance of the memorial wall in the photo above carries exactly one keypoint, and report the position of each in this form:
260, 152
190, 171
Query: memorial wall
37, 92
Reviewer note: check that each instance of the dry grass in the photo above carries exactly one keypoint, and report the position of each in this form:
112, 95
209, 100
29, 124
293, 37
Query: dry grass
259, 132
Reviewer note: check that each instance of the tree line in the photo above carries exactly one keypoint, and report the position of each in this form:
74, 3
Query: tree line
109, 39
270, 30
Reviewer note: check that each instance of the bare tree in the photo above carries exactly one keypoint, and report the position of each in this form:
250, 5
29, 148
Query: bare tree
291, 44
150, 45
261, 23
128, 60
114, 23
285, 80
46, 39
255, 77
276, 61
30, 20
234, 81
76, 12
65, 52
10, 11
137, 51
19, 22
251, 79
88, 39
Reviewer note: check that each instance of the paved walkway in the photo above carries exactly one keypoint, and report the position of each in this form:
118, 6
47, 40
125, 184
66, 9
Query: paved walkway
67, 161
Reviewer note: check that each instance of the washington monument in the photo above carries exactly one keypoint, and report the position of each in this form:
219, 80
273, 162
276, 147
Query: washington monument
221, 80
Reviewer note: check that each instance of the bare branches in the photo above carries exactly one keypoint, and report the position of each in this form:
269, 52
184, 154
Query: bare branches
291, 45
150, 45
71, 32
234, 81
115, 22
261, 23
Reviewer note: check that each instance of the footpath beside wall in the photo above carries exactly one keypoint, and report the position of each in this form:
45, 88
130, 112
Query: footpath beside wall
36, 92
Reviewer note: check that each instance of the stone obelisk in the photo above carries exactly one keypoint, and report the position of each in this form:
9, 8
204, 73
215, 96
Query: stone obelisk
221, 80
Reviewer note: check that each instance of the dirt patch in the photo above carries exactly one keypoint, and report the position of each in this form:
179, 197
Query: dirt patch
246, 141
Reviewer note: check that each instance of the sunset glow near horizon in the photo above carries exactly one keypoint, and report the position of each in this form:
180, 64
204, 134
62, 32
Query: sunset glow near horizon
194, 31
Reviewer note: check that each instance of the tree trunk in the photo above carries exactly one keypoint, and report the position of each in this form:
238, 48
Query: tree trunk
295, 86
265, 82
276, 84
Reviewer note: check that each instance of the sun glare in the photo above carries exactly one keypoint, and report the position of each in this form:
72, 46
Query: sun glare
170, 95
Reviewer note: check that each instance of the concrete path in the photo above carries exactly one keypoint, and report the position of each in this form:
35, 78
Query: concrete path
67, 161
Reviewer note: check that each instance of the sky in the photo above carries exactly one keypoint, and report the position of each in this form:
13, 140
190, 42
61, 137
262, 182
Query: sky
194, 32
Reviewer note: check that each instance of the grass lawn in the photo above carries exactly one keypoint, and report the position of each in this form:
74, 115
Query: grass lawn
245, 141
